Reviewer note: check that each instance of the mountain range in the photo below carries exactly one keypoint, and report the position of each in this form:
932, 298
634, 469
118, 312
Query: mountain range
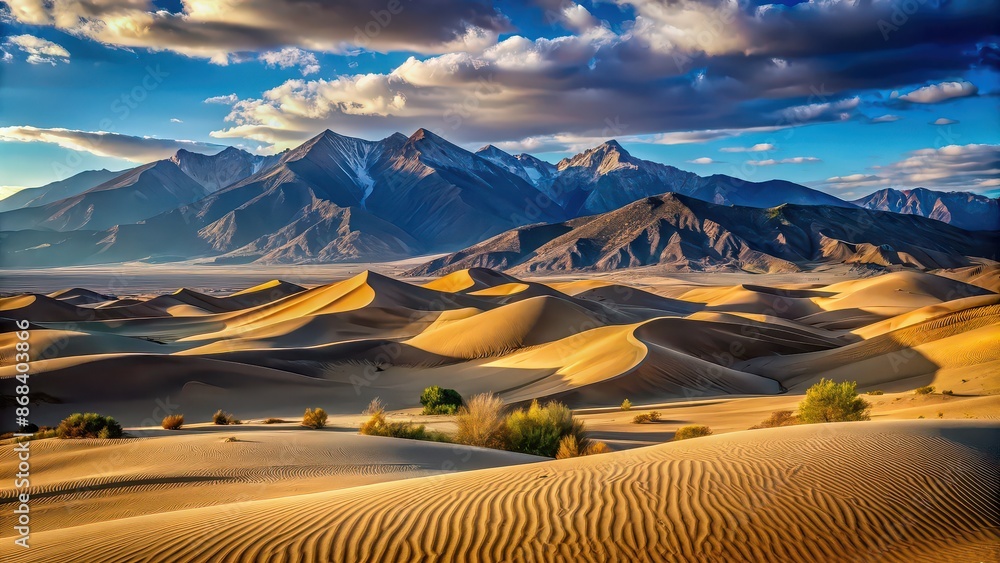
340, 199
685, 234
962, 209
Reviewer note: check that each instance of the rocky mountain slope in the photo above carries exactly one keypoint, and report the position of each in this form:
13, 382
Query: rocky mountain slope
137, 194
961, 209
217, 171
74, 185
689, 234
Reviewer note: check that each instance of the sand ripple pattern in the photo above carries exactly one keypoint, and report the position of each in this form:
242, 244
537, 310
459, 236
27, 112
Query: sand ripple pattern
876, 491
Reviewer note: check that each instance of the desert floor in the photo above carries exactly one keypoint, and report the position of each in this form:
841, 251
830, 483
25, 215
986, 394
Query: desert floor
918, 482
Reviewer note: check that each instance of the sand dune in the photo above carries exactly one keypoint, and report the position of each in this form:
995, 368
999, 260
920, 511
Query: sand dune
841, 492
722, 351
590, 343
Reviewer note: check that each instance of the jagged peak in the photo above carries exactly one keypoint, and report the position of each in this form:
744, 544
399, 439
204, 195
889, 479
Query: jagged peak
603, 158
492, 149
423, 134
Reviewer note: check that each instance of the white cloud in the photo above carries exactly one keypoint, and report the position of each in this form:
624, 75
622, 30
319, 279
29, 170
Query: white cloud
937, 93
102, 143
292, 57
228, 99
944, 121
703, 160
175, 120
974, 167
6, 57
219, 29
759, 147
792, 160
39, 51
828, 111
887, 118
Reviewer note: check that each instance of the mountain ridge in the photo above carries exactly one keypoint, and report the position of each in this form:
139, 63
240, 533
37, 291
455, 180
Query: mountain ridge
339, 198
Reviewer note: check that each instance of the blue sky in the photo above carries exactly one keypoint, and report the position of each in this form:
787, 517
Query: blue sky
836, 96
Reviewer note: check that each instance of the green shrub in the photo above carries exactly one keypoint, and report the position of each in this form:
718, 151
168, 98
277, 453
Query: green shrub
440, 401
314, 419
926, 390
222, 417
173, 422
692, 431
570, 446
89, 425
481, 422
538, 429
378, 425
875, 392
626, 405
828, 401
778, 419
652, 416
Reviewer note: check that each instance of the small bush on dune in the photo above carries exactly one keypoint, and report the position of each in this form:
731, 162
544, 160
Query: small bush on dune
652, 416
173, 422
875, 392
926, 390
538, 429
440, 401
692, 431
777, 419
828, 401
314, 419
626, 405
947, 392
570, 446
274, 421
89, 425
222, 417
378, 425
481, 422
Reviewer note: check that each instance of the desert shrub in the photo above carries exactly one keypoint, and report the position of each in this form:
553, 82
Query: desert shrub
42, 433
777, 419
652, 416
947, 392
570, 446
626, 405
89, 425
274, 421
375, 406
925, 390
828, 401
173, 422
222, 417
538, 429
231, 439
440, 401
378, 425
875, 392
481, 422
692, 431
314, 419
